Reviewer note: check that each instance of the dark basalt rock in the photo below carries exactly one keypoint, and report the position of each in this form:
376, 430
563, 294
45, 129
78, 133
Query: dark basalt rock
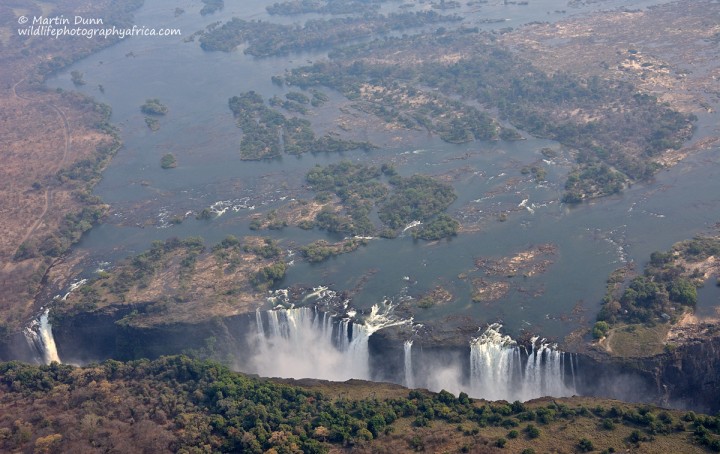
688, 377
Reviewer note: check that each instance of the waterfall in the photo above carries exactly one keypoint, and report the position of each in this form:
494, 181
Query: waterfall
493, 359
40, 338
259, 323
409, 382
497, 370
304, 342
307, 343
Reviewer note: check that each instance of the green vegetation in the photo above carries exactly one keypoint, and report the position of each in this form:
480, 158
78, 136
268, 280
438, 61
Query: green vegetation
297, 97
266, 39
537, 171
358, 188
321, 250
593, 180
152, 123
438, 295
184, 405
667, 287
154, 107
318, 98
267, 133
269, 248
617, 145
77, 78
70, 231
174, 273
295, 7
272, 222
600, 329
168, 161
289, 105
585, 445
416, 198
443, 226
269, 276
211, 6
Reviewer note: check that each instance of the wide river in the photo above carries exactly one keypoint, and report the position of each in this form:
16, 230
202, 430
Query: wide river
591, 240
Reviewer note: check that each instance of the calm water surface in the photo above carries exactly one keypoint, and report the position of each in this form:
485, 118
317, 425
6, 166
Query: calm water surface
591, 240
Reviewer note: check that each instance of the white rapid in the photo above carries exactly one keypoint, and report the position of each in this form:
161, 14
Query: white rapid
40, 339
409, 380
304, 342
500, 369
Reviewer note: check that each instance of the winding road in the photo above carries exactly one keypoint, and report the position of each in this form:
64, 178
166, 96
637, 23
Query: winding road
48, 195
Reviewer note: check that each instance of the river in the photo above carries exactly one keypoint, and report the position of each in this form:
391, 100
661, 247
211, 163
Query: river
591, 240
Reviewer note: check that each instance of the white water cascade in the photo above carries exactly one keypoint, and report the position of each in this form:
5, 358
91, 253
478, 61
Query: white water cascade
500, 369
409, 380
304, 342
40, 339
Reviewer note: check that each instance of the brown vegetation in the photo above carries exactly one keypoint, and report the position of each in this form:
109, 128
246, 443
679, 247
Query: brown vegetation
653, 49
183, 281
179, 405
530, 262
42, 133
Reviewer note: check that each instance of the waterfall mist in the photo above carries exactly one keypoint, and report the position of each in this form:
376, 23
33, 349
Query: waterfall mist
300, 343
500, 369
304, 342
497, 369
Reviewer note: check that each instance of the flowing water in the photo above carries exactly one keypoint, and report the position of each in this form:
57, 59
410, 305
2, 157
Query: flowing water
40, 339
304, 342
590, 240
407, 364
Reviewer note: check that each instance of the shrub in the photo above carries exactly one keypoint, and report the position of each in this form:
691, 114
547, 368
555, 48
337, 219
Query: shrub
600, 329
585, 445
532, 431
608, 424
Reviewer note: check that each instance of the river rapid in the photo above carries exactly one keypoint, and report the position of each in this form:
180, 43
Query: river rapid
589, 241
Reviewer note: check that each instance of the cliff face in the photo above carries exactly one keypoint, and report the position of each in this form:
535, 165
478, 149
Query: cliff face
688, 377
97, 336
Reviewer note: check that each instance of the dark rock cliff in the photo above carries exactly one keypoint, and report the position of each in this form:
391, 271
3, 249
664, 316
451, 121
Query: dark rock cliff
688, 377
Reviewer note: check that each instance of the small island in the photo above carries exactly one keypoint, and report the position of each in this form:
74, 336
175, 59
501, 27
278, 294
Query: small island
153, 107
267, 133
152, 123
168, 161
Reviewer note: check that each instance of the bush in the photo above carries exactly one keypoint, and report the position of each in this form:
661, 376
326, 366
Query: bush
416, 443
532, 431
154, 107
608, 424
600, 330
635, 436
585, 445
